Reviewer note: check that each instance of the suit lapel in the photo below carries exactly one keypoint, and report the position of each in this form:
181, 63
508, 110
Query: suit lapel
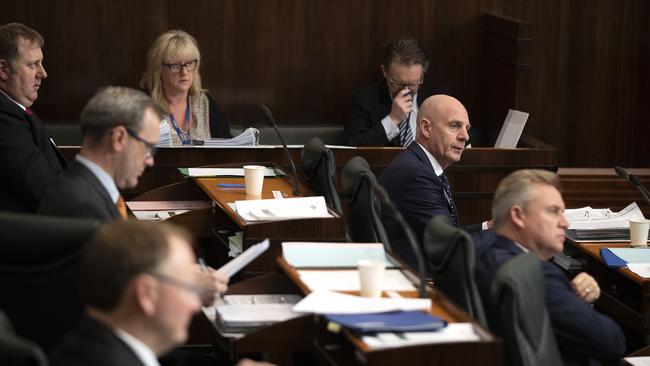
87, 175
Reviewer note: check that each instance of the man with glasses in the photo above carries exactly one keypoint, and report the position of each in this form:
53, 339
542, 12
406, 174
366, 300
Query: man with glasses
119, 128
384, 114
30, 160
141, 293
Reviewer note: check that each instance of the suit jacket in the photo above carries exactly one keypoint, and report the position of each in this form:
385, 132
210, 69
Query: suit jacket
78, 193
369, 106
416, 190
93, 343
30, 162
582, 333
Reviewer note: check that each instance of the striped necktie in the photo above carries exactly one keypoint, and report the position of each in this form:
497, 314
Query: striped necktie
450, 199
121, 207
405, 134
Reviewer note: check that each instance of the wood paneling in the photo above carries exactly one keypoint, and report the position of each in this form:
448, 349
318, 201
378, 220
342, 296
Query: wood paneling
588, 79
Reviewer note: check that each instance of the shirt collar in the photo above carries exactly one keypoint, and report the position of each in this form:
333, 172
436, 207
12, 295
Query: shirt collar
434, 163
523, 248
13, 100
144, 353
104, 178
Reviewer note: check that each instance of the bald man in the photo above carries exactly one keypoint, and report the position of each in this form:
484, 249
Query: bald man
415, 179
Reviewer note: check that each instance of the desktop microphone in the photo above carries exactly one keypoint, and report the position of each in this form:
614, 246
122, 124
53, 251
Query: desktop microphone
268, 117
635, 181
394, 212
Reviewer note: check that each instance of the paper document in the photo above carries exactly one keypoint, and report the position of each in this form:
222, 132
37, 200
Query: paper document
332, 255
638, 361
511, 130
157, 215
453, 332
587, 218
641, 269
348, 280
328, 302
248, 137
225, 172
283, 209
241, 261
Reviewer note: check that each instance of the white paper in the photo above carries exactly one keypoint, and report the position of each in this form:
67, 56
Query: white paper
283, 209
638, 361
327, 302
256, 313
511, 129
249, 137
157, 215
241, 261
348, 280
641, 269
453, 332
332, 255
600, 219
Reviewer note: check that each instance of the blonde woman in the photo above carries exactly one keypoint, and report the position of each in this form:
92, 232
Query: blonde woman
172, 79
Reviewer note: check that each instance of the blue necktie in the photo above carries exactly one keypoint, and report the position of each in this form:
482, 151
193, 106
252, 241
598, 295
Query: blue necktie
405, 134
450, 199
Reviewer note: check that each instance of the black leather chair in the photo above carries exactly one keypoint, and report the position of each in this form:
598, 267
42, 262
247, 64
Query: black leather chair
39, 273
449, 253
517, 300
364, 223
18, 351
319, 167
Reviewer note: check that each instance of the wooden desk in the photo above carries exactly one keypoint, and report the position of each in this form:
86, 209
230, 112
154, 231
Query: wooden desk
473, 179
313, 229
624, 295
346, 348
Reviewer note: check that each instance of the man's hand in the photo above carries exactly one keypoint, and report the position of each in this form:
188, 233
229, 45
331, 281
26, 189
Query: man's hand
402, 106
585, 287
213, 284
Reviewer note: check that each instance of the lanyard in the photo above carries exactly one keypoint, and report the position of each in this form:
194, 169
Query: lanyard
186, 138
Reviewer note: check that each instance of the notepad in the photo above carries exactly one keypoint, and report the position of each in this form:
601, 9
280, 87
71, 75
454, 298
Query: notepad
620, 257
394, 321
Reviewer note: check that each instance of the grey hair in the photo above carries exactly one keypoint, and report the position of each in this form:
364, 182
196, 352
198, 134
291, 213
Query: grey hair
115, 106
515, 189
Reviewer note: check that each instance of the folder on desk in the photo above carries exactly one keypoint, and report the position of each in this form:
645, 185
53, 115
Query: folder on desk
395, 321
620, 257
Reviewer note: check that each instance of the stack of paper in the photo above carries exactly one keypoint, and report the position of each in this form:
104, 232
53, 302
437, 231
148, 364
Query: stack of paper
249, 137
282, 209
588, 224
327, 302
454, 332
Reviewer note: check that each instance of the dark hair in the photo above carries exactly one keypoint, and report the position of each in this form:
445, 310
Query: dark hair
405, 51
10, 35
113, 106
119, 252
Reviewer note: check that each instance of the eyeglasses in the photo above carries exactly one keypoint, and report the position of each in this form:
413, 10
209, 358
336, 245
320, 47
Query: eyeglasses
400, 85
189, 66
151, 147
191, 287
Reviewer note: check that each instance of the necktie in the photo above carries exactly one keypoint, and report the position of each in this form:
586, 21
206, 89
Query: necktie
450, 199
121, 207
405, 135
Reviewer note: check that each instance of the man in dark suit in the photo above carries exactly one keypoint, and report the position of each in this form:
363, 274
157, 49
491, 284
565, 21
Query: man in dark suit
30, 160
528, 213
119, 127
141, 293
415, 179
384, 114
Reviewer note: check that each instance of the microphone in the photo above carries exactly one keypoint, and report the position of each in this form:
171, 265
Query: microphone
394, 212
635, 181
268, 117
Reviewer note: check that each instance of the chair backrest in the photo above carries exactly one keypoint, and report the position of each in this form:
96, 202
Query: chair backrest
449, 252
517, 301
39, 273
319, 167
18, 351
364, 223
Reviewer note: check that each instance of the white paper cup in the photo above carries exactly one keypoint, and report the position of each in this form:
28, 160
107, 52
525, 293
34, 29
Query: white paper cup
254, 179
639, 232
371, 277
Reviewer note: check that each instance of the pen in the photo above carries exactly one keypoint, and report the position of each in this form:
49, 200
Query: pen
204, 269
231, 185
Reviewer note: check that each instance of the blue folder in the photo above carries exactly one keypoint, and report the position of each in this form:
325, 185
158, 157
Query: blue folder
394, 321
611, 259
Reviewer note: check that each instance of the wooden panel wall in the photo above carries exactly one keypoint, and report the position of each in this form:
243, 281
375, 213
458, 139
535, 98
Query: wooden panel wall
588, 81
